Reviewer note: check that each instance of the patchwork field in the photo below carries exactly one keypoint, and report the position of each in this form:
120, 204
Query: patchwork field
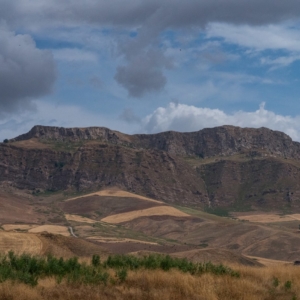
55, 229
154, 211
117, 221
268, 218
118, 194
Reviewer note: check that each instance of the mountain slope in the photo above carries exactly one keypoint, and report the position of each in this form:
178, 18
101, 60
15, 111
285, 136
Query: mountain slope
231, 167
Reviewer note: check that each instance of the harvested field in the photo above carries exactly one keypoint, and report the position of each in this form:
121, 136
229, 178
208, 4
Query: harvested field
216, 256
269, 262
116, 193
154, 211
55, 229
269, 218
20, 243
97, 207
60, 245
80, 219
22, 227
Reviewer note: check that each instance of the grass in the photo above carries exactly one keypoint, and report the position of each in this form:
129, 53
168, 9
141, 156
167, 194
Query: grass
124, 277
29, 269
68, 146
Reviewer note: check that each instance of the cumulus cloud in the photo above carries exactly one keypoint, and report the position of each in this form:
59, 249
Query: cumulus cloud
184, 118
25, 71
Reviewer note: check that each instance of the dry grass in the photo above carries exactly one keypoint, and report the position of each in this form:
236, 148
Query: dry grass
269, 218
254, 284
81, 219
269, 262
153, 211
10, 227
116, 193
20, 242
55, 229
31, 144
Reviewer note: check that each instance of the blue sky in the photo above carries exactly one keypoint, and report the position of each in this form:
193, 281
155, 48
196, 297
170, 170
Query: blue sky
148, 66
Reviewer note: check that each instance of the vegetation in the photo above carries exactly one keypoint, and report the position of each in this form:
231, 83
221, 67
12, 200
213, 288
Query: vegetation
29, 269
219, 211
128, 277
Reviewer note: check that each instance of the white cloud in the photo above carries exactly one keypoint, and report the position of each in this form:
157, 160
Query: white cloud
269, 37
282, 61
184, 118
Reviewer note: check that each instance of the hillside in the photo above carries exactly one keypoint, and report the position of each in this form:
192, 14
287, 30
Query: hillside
229, 167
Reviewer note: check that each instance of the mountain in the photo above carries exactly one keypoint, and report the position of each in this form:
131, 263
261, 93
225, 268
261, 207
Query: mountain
223, 167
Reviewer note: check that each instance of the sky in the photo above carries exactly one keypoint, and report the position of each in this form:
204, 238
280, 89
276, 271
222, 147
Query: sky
146, 66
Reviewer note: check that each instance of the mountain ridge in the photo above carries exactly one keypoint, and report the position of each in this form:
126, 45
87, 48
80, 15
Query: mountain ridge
222, 140
225, 166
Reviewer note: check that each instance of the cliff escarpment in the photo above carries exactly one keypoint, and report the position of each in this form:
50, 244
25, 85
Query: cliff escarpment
217, 167
224, 140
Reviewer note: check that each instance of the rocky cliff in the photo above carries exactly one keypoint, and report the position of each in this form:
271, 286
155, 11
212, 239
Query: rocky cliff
224, 140
218, 167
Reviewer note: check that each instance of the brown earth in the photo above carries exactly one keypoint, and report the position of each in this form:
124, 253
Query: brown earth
217, 256
103, 206
14, 208
54, 229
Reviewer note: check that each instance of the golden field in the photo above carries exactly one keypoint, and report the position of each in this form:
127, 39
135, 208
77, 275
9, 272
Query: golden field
255, 283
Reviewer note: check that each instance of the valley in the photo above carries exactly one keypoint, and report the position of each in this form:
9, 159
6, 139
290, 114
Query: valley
224, 195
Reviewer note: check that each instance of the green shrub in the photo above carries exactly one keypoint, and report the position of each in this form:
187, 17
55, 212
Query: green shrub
28, 269
288, 285
96, 260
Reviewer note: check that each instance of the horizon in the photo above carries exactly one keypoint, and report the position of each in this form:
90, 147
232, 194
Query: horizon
87, 127
151, 66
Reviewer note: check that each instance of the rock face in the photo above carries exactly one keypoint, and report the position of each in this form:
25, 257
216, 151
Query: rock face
224, 140
218, 167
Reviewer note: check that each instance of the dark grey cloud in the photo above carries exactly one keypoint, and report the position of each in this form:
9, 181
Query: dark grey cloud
168, 13
141, 73
25, 71
129, 116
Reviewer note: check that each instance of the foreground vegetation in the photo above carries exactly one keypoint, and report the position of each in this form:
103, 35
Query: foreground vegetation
150, 277
29, 269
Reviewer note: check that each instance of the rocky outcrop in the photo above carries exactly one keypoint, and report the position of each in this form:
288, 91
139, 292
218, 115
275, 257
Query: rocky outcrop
153, 173
224, 140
